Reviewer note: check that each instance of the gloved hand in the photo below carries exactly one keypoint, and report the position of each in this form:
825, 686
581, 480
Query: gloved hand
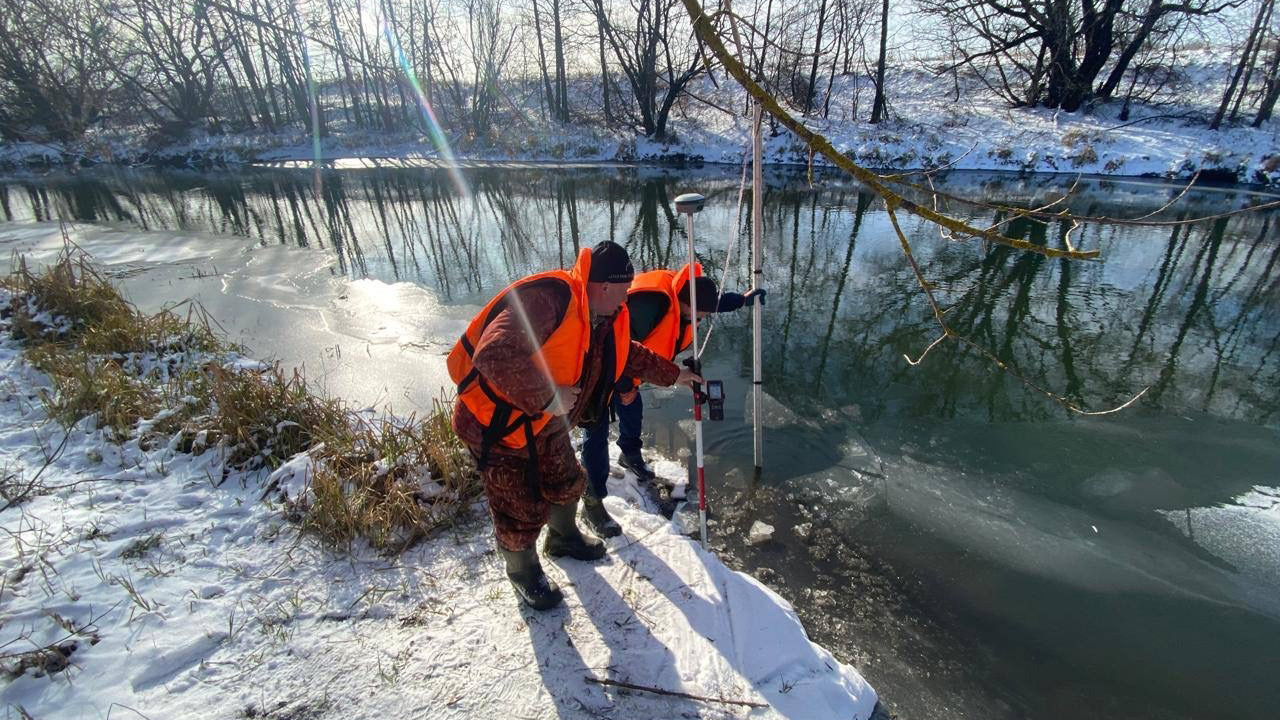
749, 297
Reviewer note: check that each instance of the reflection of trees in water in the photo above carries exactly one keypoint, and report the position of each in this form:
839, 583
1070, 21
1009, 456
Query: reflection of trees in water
1203, 318
864, 201
1200, 324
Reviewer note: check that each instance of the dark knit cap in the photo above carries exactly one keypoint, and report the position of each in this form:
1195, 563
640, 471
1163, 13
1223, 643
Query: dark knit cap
610, 263
708, 294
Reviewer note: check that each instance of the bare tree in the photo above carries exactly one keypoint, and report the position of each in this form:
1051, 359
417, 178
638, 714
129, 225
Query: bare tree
1051, 52
656, 54
562, 83
1248, 56
604, 67
473, 52
817, 51
877, 106
170, 61
548, 93
51, 83
1271, 86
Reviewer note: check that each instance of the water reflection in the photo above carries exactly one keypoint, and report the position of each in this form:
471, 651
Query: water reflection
951, 472
1189, 310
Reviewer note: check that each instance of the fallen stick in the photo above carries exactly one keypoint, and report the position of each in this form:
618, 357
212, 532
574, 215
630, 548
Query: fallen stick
672, 693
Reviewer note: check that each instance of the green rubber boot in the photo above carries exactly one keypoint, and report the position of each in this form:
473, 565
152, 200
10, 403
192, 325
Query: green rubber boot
531, 584
565, 539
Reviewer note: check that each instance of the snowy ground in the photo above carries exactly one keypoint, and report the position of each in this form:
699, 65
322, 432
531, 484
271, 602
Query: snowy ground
169, 595
929, 125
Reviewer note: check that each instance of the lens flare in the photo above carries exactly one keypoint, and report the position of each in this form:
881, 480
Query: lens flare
313, 101
516, 303
429, 120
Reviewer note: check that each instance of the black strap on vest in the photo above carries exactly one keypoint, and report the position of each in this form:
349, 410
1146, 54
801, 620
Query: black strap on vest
501, 425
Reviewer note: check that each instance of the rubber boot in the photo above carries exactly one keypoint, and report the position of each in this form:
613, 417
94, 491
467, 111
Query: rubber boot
565, 539
636, 464
531, 584
598, 518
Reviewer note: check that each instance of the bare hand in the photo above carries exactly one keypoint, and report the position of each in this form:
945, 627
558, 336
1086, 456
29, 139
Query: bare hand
688, 377
628, 397
565, 398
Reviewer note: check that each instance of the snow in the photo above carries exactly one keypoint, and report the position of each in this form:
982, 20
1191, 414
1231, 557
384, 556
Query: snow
187, 596
929, 125
292, 479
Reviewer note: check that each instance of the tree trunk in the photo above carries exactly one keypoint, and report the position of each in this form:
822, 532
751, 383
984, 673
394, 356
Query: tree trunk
604, 69
268, 83
349, 77
250, 73
1254, 36
1071, 83
428, 64
764, 41
542, 61
562, 85
835, 61
1272, 93
813, 69
1253, 62
877, 106
1126, 56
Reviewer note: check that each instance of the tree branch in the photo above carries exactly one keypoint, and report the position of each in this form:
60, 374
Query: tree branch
702, 25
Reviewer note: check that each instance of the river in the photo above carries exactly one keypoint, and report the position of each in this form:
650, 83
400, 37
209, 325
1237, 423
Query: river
976, 549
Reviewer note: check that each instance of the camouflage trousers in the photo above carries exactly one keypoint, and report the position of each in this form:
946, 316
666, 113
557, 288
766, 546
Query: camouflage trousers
519, 509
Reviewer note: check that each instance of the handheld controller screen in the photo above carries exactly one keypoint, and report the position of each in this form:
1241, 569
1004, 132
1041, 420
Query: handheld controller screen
715, 399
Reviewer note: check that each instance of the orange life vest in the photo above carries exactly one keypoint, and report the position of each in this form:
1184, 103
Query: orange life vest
662, 339
561, 357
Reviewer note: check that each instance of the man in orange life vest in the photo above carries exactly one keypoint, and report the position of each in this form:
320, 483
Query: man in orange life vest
543, 356
659, 309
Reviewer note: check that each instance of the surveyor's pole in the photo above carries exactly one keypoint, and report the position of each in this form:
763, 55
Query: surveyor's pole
757, 278
690, 203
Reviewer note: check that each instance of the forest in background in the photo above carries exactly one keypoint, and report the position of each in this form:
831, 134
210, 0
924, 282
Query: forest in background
73, 68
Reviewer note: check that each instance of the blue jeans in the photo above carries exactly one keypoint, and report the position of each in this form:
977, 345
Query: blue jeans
595, 442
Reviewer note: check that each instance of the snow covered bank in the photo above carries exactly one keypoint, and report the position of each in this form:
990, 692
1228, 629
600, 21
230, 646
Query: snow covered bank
149, 586
932, 123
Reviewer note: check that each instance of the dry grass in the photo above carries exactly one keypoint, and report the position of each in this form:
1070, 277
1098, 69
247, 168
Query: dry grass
387, 481
88, 339
41, 661
391, 481
85, 385
267, 417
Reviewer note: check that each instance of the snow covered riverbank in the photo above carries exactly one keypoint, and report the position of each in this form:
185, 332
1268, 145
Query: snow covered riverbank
932, 123
149, 586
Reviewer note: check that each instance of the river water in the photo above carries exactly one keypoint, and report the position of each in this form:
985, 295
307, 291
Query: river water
973, 547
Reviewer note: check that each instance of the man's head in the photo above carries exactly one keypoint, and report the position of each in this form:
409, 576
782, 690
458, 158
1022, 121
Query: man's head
611, 275
708, 297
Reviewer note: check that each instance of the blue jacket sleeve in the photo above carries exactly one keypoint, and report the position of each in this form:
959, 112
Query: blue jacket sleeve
730, 301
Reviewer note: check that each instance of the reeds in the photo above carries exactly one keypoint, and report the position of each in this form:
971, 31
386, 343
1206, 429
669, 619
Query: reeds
389, 481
